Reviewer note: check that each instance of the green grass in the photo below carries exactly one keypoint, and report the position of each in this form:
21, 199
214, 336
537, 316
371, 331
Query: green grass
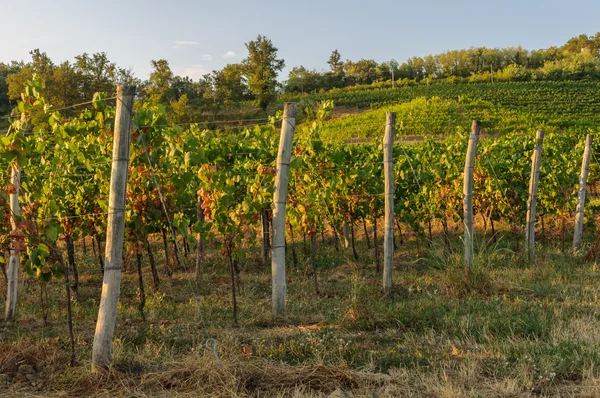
505, 329
565, 103
431, 117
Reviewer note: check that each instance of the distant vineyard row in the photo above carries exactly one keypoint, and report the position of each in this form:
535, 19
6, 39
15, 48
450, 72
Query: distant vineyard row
566, 103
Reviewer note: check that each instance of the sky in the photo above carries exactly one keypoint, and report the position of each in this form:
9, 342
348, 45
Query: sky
199, 36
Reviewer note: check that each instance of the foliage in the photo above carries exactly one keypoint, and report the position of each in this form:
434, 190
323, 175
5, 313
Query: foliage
261, 68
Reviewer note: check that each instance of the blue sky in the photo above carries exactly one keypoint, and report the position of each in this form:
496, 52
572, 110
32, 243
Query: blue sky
199, 36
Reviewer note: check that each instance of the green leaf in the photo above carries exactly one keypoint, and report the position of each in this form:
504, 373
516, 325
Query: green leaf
51, 233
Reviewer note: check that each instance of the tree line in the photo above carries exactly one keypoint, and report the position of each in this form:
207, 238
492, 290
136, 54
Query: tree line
578, 58
254, 81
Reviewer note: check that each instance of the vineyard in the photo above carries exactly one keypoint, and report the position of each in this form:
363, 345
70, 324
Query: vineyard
562, 104
507, 309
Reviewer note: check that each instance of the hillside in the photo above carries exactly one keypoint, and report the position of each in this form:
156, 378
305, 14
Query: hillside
438, 109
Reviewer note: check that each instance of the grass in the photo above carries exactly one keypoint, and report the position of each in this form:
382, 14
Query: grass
505, 329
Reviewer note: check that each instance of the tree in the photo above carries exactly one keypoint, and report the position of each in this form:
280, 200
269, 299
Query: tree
582, 44
95, 74
261, 68
364, 71
159, 84
388, 70
335, 63
5, 71
64, 86
41, 64
227, 87
302, 80
413, 68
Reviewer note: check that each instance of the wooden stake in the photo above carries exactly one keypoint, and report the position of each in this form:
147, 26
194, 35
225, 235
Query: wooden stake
533, 191
15, 256
468, 192
579, 213
346, 234
115, 231
388, 168
279, 201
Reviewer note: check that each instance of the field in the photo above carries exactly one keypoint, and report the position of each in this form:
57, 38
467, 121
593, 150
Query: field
565, 103
511, 325
508, 329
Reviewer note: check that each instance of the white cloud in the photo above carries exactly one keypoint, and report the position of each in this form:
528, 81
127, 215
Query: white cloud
181, 43
229, 54
194, 72
206, 57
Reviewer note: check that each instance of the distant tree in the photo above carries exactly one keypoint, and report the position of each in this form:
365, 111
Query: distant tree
227, 86
5, 71
261, 68
387, 70
40, 64
184, 86
582, 44
364, 71
413, 68
336, 65
431, 67
95, 73
158, 89
302, 80
64, 87
180, 109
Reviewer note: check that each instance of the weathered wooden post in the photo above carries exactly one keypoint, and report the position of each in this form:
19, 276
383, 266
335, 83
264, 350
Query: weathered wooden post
533, 192
279, 206
346, 234
113, 261
468, 192
388, 169
15, 255
579, 213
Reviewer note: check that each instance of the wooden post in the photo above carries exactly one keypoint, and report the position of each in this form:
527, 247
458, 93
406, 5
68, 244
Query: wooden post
388, 168
279, 201
113, 261
468, 192
15, 255
585, 166
533, 191
346, 234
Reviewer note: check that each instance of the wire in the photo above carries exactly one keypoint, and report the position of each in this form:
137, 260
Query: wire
81, 104
66, 107
200, 123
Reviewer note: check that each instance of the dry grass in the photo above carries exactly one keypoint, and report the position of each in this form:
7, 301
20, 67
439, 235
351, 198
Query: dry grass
503, 329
